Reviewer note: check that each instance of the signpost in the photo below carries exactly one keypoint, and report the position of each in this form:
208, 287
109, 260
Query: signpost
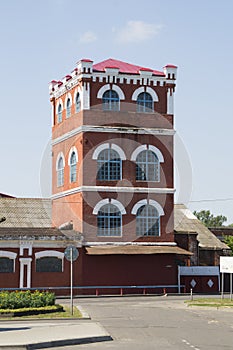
71, 254
226, 266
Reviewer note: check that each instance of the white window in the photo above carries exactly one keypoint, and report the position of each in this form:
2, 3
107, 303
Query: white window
147, 166
68, 108
59, 113
109, 220
111, 101
60, 172
145, 103
73, 167
77, 103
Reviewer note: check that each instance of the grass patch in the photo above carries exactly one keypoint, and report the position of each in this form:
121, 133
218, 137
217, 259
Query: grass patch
41, 315
210, 302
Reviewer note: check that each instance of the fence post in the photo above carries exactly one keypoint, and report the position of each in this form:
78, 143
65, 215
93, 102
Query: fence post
191, 294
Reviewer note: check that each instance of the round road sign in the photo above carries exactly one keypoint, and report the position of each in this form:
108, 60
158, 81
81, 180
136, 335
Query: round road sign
74, 255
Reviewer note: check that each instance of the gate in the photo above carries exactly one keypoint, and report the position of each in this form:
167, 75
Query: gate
201, 279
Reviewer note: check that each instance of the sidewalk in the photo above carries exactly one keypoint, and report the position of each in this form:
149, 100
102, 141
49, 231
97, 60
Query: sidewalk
38, 334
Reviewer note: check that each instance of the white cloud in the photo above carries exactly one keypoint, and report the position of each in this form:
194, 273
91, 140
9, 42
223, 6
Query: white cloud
88, 37
137, 31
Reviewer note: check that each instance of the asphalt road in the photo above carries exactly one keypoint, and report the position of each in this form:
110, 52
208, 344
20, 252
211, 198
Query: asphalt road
144, 323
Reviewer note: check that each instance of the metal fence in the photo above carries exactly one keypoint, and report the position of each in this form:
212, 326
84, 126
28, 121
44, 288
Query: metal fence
106, 290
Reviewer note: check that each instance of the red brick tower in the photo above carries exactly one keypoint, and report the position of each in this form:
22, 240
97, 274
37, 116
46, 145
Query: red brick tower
112, 143
113, 151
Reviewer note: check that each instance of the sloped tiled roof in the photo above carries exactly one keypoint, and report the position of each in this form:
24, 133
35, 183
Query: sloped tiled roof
25, 212
186, 222
39, 234
123, 67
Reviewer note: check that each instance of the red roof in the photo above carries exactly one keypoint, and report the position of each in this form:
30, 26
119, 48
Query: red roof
123, 67
170, 66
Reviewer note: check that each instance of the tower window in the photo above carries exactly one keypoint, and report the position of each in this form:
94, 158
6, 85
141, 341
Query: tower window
59, 114
147, 221
111, 101
60, 172
109, 165
147, 166
144, 103
73, 163
109, 220
68, 108
78, 103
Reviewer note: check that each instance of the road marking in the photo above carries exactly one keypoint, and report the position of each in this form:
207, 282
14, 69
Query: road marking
190, 345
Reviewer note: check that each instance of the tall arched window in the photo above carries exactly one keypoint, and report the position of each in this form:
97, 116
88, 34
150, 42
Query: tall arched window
60, 172
147, 221
73, 162
111, 101
147, 166
109, 165
77, 103
59, 113
68, 108
109, 220
144, 102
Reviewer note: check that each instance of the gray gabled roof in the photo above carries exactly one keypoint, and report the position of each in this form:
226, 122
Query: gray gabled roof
186, 222
25, 212
36, 213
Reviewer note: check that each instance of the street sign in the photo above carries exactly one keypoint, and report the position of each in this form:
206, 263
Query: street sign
226, 264
71, 253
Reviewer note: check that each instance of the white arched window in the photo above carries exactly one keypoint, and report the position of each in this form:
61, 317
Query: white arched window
111, 101
147, 221
7, 261
145, 103
109, 161
148, 159
73, 167
109, 220
59, 113
60, 171
109, 165
148, 213
147, 166
49, 261
68, 108
78, 103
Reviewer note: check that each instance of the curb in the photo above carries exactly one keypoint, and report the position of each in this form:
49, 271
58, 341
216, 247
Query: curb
56, 343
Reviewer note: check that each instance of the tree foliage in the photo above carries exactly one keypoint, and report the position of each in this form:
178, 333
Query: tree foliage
229, 241
209, 219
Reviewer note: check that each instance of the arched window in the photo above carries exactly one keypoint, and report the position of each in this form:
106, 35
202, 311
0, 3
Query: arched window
49, 261
59, 113
60, 172
73, 162
6, 265
147, 221
109, 220
144, 103
49, 264
68, 108
111, 101
109, 165
147, 166
77, 103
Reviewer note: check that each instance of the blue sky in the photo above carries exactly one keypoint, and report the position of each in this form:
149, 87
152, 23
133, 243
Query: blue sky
43, 40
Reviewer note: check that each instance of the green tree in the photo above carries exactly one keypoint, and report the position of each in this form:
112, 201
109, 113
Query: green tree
229, 241
209, 219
